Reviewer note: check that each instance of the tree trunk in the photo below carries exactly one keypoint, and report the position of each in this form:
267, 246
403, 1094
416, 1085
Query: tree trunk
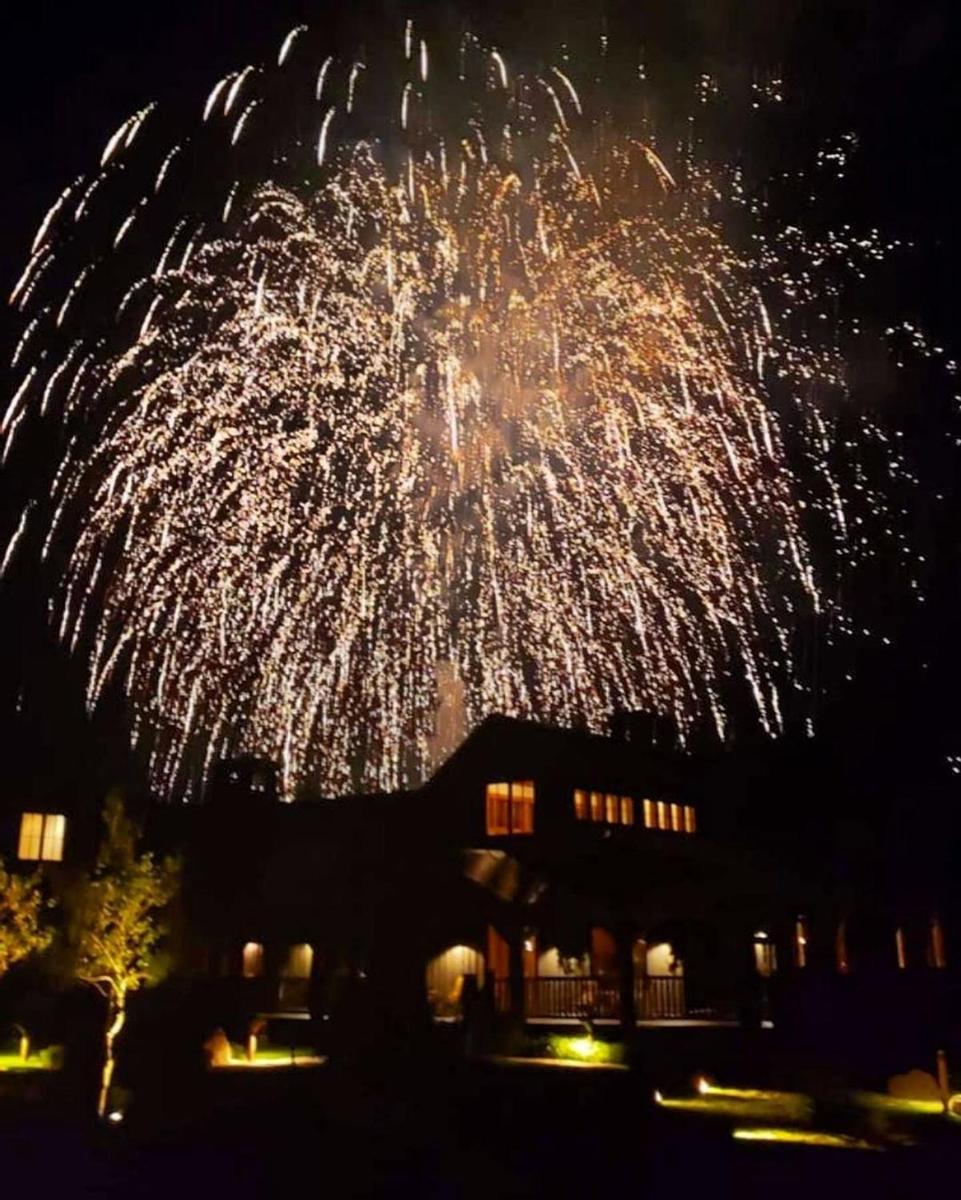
116, 1015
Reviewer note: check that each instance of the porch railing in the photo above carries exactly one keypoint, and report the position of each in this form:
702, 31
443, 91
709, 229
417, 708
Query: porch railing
660, 997
656, 997
571, 996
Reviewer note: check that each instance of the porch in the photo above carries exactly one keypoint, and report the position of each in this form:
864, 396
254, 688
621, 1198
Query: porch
657, 999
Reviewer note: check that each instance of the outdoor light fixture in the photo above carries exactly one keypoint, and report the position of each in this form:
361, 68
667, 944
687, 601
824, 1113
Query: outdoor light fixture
702, 1086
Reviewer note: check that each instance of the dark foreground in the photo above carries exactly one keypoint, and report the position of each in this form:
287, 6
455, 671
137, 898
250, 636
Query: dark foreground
444, 1128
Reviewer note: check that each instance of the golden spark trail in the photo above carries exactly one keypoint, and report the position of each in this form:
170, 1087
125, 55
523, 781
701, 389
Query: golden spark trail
492, 392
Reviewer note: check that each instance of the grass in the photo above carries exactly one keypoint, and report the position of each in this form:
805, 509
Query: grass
849, 1120
47, 1059
272, 1056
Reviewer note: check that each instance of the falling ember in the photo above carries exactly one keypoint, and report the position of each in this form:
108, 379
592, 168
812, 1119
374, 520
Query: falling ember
429, 407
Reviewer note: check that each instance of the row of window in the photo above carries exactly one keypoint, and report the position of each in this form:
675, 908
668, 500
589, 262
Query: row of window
510, 810
41, 837
765, 952
619, 810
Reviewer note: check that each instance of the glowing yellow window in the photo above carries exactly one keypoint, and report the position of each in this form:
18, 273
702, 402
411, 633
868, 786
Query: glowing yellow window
650, 817
498, 808
677, 823
663, 816
611, 810
510, 807
690, 819
522, 807
580, 805
41, 837
597, 806
627, 810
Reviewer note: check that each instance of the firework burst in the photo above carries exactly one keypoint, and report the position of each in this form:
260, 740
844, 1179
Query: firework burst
467, 384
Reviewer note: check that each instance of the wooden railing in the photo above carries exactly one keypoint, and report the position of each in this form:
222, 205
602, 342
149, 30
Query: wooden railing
571, 996
659, 997
656, 997
292, 993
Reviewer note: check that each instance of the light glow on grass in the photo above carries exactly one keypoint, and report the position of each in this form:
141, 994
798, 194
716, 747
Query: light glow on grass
586, 1050
275, 1057
803, 1137
744, 1103
896, 1104
47, 1059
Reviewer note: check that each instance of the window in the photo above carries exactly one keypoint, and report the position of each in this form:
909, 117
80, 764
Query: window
510, 807
667, 815
522, 807
800, 942
900, 948
765, 954
841, 948
936, 954
498, 808
253, 960
604, 807
41, 837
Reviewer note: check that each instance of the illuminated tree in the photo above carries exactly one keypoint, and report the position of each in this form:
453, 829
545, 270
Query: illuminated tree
115, 925
21, 930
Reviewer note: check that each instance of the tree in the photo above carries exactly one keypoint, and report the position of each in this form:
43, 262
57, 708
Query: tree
115, 925
21, 930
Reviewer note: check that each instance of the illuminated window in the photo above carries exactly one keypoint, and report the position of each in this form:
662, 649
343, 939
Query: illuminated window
41, 837
765, 954
580, 805
800, 942
612, 809
498, 808
690, 819
253, 960
663, 816
936, 954
510, 807
522, 807
677, 820
597, 806
650, 818
627, 810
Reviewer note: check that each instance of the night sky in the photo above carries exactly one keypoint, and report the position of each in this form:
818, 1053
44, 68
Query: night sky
886, 69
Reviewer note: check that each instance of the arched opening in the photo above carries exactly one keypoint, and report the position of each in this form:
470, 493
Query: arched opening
253, 960
446, 977
659, 980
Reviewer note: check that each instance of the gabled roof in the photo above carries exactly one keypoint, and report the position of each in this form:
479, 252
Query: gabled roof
522, 747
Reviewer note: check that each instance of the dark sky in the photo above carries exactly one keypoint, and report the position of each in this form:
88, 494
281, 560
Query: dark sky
72, 72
